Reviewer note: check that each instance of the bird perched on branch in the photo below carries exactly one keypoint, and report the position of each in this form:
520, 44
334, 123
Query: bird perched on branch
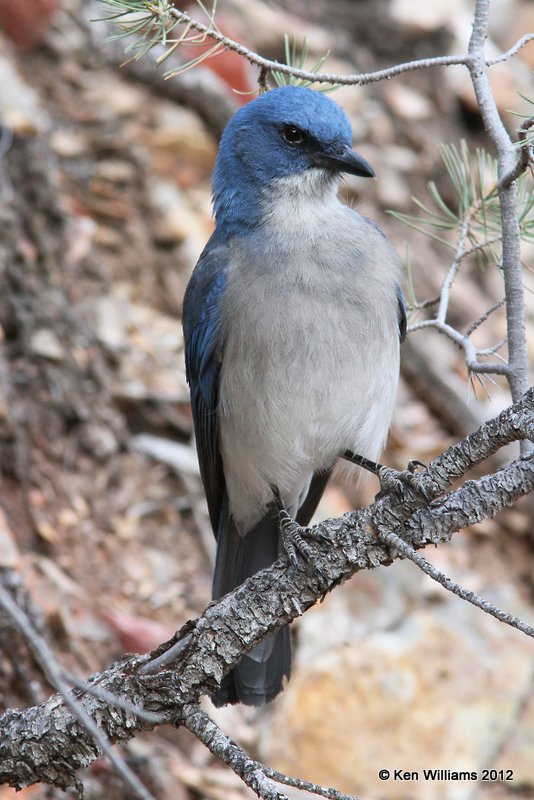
292, 321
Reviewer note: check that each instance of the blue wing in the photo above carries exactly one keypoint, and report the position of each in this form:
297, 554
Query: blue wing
202, 359
402, 314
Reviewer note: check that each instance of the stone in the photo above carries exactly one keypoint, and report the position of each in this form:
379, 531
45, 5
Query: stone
45, 343
21, 109
116, 96
68, 144
518, 753
180, 131
110, 319
176, 219
430, 693
9, 552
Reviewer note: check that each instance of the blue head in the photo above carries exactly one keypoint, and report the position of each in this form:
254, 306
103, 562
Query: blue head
284, 133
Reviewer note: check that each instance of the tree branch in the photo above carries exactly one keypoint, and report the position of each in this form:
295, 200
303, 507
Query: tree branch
528, 37
52, 741
48, 664
228, 751
470, 352
511, 235
356, 79
525, 154
465, 594
253, 773
48, 743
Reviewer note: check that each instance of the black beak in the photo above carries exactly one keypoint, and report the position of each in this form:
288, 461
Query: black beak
344, 160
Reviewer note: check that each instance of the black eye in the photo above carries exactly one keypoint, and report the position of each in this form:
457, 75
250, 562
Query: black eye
292, 135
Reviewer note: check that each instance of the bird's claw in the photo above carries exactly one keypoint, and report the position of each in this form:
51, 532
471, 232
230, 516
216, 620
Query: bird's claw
393, 480
294, 537
294, 541
414, 465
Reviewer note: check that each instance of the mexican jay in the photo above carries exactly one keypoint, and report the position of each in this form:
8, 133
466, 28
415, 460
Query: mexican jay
292, 321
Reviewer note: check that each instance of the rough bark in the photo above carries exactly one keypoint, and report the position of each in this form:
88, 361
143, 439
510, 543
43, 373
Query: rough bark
46, 742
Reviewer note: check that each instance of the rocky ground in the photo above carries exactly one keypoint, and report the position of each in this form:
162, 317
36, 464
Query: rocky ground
104, 209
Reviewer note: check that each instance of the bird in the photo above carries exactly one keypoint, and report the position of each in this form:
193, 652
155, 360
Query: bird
292, 320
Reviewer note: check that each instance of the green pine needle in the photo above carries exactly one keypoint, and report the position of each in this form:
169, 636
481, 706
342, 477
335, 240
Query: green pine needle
297, 59
473, 180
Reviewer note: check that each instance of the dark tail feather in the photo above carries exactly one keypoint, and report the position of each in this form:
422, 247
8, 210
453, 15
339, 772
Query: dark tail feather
255, 682
259, 675
311, 501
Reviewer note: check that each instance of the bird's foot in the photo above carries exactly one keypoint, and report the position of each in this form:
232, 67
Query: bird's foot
394, 480
294, 535
391, 480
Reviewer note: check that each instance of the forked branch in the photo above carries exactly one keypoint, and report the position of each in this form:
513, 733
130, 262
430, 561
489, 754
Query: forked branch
49, 743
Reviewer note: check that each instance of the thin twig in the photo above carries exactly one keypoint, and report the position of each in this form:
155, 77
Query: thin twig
204, 728
262, 79
476, 247
113, 699
46, 660
459, 254
493, 350
465, 594
470, 352
433, 301
528, 37
525, 155
218, 743
322, 77
315, 77
266, 602
476, 324
306, 786
518, 374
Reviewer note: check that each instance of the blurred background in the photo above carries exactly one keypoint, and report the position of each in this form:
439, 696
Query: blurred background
104, 209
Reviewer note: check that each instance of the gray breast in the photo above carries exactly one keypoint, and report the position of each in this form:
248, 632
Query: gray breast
310, 358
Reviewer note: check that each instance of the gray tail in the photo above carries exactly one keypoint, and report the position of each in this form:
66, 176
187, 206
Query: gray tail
259, 675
